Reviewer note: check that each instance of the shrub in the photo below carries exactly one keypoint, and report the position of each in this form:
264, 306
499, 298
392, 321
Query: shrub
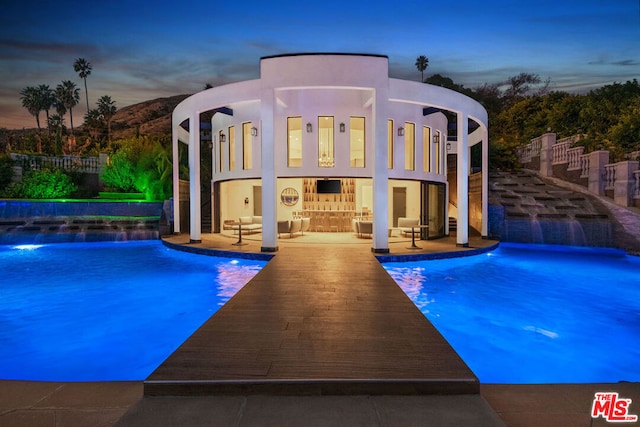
45, 184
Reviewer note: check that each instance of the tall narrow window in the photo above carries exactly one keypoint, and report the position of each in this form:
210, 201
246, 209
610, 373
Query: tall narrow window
390, 144
436, 149
294, 142
220, 151
409, 146
356, 145
247, 146
325, 142
426, 149
232, 148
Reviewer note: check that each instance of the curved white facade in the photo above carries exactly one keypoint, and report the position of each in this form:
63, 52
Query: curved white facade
332, 102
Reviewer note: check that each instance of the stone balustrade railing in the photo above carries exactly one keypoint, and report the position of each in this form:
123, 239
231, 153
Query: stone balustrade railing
560, 154
67, 163
574, 158
609, 177
620, 181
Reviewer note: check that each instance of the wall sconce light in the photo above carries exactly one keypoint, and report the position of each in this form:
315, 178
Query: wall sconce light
222, 137
400, 131
246, 201
342, 127
448, 146
254, 131
436, 138
308, 127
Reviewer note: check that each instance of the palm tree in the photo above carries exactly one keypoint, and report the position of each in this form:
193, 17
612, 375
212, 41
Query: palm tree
67, 96
30, 101
107, 109
83, 68
47, 99
422, 62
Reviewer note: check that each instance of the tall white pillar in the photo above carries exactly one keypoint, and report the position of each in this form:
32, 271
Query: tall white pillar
194, 178
176, 183
380, 238
462, 171
269, 181
485, 183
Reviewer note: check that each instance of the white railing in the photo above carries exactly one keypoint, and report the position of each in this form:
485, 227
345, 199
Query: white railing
609, 176
573, 158
585, 163
67, 163
560, 152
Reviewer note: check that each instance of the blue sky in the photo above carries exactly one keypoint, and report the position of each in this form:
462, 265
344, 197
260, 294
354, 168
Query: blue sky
143, 50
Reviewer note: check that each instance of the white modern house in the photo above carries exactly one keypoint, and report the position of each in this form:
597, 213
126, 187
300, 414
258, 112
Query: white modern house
333, 138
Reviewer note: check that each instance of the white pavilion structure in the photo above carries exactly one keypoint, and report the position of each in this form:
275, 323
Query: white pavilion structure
328, 136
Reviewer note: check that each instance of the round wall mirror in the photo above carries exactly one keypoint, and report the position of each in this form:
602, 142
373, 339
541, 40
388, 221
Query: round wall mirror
289, 196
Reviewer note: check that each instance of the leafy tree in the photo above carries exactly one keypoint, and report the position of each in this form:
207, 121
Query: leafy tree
6, 173
83, 68
143, 165
67, 96
422, 62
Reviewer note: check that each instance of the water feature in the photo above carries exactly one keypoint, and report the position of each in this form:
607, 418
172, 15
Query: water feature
105, 311
536, 212
534, 313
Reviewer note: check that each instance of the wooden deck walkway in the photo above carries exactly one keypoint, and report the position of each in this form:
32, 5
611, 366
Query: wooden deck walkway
316, 320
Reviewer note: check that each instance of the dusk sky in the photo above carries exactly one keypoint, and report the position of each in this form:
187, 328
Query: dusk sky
144, 50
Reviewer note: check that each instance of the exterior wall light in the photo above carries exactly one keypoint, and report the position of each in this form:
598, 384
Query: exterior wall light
222, 137
342, 127
448, 146
400, 131
246, 201
436, 138
254, 131
308, 127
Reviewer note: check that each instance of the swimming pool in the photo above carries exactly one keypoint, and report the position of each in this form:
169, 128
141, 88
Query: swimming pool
534, 313
105, 311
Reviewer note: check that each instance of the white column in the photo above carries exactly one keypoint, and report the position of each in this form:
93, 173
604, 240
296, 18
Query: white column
194, 178
176, 183
269, 182
380, 239
485, 183
462, 171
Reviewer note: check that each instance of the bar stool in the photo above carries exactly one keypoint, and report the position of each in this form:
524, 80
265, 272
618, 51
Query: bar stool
334, 223
319, 221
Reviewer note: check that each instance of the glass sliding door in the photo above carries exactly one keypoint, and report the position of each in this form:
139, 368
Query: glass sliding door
433, 209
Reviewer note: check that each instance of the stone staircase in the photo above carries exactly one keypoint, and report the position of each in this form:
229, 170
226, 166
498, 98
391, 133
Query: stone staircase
525, 208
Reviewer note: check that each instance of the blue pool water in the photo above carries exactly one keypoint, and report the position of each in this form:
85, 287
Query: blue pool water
534, 313
105, 311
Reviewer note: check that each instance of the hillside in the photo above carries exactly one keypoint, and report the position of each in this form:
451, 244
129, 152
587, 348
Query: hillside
148, 117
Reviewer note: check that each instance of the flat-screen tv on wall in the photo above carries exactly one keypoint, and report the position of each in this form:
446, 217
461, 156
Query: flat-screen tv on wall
328, 186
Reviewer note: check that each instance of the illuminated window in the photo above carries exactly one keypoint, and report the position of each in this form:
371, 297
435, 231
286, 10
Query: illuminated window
325, 142
426, 148
356, 147
232, 148
294, 142
221, 151
390, 144
409, 146
247, 146
436, 149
